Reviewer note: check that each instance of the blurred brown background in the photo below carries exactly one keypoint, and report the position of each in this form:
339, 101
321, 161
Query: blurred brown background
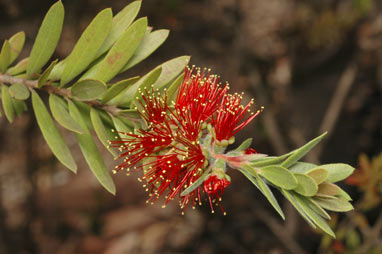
315, 65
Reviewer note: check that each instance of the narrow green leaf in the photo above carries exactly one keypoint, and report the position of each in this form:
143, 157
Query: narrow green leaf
6, 100
120, 53
85, 50
173, 89
318, 174
251, 178
44, 76
270, 160
130, 113
170, 70
88, 89
60, 112
306, 185
19, 106
317, 208
334, 204
269, 195
120, 127
117, 88
343, 195
300, 152
127, 96
302, 167
291, 197
5, 56
279, 176
20, 67
47, 38
85, 113
51, 134
243, 146
337, 171
196, 184
91, 153
101, 131
316, 218
57, 70
17, 43
120, 23
329, 189
150, 42
19, 91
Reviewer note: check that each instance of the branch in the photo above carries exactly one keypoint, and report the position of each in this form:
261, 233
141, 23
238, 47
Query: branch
33, 84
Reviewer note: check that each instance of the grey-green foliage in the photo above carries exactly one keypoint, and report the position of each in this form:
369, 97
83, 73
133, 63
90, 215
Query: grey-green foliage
109, 45
309, 187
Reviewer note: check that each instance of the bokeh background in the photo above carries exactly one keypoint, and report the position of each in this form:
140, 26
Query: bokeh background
315, 65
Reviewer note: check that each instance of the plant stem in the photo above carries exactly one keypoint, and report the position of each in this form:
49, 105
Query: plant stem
64, 92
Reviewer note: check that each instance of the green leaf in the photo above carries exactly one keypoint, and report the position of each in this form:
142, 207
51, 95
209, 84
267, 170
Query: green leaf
117, 88
85, 113
19, 106
130, 113
318, 174
120, 127
120, 23
290, 195
173, 89
317, 208
279, 176
316, 218
101, 131
243, 146
44, 76
329, 189
150, 42
85, 50
196, 184
7, 104
88, 89
17, 43
20, 67
334, 204
302, 167
51, 134
306, 185
47, 38
127, 96
343, 195
19, 91
270, 160
170, 70
269, 195
120, 53
60, 112
5, 56
300, 152
91, 153
251, 178
337, 171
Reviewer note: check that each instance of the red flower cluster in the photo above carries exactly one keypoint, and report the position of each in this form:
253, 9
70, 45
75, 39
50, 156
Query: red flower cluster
177, 149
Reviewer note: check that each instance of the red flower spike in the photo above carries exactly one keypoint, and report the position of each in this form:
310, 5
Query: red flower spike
170, 152
199, 95
138, 146
229, 115
155, 107
214, 187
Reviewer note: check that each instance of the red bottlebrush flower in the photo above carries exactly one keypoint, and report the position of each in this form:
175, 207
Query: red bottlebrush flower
175, 150
155, 109
229, 115
214, 187
199, 95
